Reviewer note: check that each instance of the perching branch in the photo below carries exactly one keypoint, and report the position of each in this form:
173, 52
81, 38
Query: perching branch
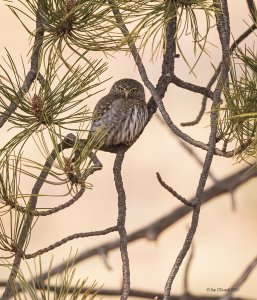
121, 223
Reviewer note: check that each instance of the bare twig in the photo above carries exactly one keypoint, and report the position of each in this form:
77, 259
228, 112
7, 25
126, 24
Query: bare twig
70, 238
243, 277
174, 193
121, 223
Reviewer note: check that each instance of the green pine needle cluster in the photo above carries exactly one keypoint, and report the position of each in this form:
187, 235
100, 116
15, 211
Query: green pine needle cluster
150, 19
85, 24
238, 118
63, 287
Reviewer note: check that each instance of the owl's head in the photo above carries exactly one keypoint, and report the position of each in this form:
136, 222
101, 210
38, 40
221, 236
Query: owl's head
128, 88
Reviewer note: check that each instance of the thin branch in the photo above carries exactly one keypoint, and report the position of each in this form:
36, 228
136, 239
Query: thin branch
70, 238
33, 72
121, 223
51, 211
153, 230
243, 277
137, 57
174, 193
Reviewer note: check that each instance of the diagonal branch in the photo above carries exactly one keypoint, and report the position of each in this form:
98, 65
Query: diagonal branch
96, 166
174, 193
192, 87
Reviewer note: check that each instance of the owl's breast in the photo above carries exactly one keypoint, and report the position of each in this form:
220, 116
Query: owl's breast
132, 124
122, 119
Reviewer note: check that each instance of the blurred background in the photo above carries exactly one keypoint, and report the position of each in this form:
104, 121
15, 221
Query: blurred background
226, 240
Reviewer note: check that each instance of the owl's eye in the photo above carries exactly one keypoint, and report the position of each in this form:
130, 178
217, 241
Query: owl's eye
133, 92
120, 89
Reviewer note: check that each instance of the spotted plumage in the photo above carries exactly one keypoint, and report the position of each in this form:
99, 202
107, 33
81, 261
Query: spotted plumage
122, 113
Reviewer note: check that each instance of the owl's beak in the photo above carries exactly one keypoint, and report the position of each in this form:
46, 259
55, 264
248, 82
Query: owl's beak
126, 93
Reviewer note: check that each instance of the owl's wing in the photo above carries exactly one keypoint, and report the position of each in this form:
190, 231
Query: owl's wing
108, 113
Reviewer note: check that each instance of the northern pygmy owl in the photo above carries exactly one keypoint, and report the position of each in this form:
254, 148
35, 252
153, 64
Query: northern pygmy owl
122, 113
